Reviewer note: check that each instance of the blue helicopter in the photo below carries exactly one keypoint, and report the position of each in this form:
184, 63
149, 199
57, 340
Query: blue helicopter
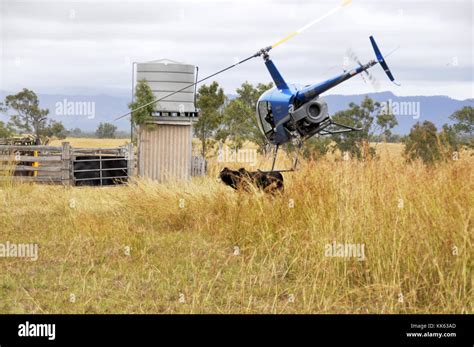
290, 112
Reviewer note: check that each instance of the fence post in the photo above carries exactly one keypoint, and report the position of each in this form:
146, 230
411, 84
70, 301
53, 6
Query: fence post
66, 163
130, 162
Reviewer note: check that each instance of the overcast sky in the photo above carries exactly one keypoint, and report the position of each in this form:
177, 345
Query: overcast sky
87, 47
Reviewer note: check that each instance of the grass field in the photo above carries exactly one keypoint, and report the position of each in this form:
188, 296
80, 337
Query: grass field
200, 247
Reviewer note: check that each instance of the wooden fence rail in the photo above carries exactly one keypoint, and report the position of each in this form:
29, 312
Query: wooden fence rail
30, 159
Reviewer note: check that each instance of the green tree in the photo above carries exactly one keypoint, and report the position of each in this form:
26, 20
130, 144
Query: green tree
55, 129
362, 116
106, 131
316, 147
394, 138
464, 125
239, 123
448, 141
76, 132
143, 96
27, 115
422, 143
210, 101
386, 122
234, 125
6, 130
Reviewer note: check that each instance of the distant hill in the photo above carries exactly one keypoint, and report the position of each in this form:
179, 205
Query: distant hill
106, 108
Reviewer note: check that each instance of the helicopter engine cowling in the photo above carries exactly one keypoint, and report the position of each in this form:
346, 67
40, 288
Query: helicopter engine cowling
314, 111
317, 110
309, 116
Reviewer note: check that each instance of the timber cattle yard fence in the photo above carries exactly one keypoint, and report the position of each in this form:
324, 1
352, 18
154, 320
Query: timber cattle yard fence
67, 165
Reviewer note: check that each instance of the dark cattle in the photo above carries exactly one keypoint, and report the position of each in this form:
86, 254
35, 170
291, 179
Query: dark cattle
270, 182
92, 177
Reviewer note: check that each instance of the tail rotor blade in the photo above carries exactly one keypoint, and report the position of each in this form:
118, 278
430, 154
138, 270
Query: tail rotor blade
373, 81
381, 60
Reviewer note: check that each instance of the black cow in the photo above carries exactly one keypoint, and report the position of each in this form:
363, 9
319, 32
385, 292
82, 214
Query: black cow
92, 178
269, 182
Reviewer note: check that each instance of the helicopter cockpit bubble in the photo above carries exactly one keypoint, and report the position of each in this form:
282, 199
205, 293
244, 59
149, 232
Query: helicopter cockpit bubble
265, 117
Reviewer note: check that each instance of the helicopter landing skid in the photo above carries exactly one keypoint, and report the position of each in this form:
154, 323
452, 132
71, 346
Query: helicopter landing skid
295, 161
328, 127
325, 128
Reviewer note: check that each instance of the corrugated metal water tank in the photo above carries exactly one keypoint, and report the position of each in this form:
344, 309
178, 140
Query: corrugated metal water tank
166, 76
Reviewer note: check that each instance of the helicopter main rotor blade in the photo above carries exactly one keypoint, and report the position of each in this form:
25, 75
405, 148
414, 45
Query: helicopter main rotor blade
310, 24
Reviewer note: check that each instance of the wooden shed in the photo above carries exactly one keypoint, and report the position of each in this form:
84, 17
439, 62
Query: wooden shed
165, 152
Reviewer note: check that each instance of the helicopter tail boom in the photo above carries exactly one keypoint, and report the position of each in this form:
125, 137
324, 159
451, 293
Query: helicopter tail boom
310, 92
314, 90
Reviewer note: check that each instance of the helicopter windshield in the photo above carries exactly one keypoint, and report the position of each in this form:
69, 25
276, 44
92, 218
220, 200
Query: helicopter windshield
265, 116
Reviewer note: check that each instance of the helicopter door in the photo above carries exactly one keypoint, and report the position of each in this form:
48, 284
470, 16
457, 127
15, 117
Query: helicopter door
265, 117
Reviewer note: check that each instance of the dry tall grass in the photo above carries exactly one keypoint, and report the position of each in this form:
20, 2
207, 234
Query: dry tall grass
200, 247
